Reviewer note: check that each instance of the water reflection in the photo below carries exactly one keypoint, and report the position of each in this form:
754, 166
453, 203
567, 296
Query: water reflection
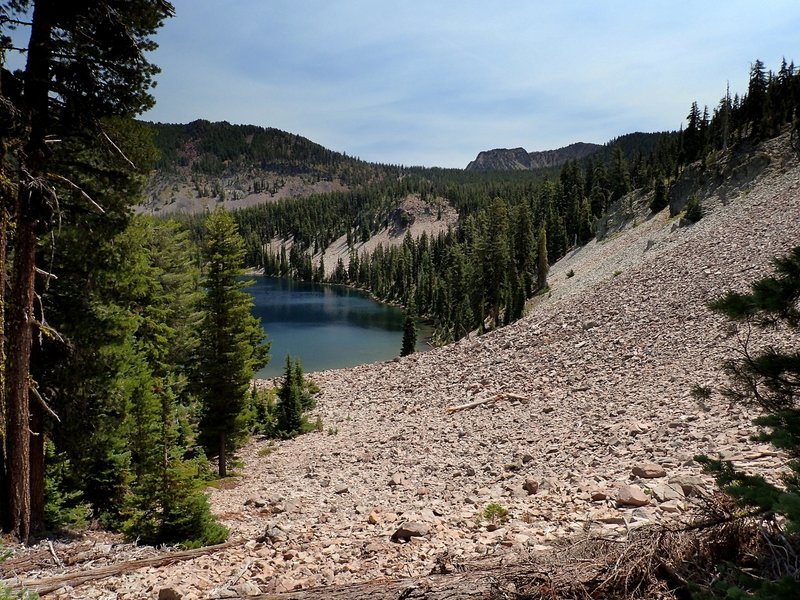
325, 326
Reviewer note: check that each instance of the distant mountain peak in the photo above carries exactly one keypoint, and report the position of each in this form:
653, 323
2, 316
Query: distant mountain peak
519, 159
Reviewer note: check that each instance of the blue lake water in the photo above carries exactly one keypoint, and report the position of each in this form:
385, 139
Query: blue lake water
325, 326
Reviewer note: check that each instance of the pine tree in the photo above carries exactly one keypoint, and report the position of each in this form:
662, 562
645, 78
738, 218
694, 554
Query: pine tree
543, 266
524, 247
290, 401
85, 61
768, 378
660, 200
232, 347
409, 332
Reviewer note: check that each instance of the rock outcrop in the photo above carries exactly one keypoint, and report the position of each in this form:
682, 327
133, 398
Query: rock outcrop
519, 159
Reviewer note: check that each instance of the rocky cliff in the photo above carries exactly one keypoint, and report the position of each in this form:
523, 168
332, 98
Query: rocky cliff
520, 159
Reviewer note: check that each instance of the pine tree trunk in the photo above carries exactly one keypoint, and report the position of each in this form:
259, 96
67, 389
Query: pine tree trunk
223, 460
20, 335
37, 468
31, 209
4, 222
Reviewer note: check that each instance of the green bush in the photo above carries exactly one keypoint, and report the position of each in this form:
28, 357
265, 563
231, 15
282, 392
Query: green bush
694, 210
495, 513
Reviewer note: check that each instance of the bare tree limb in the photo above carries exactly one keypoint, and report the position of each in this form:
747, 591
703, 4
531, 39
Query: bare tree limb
78, 189
42, 402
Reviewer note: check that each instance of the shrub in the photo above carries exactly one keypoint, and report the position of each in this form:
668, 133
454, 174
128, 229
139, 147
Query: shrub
694, 210
495, 513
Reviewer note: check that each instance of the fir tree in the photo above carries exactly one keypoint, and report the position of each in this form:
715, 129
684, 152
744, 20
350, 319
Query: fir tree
85, 61
290, 401
660, 200
543, 266
232, 347
409, 332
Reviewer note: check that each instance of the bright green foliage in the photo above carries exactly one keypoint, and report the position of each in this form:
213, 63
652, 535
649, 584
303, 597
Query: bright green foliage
495, 513
770, 379
231, 341
280, 413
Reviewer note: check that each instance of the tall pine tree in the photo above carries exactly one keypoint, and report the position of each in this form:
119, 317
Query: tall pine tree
231, 340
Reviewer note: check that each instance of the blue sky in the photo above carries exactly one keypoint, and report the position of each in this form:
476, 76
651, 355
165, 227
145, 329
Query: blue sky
435, 82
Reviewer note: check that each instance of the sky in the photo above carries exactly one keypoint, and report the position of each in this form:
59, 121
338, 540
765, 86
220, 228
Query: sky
434, 82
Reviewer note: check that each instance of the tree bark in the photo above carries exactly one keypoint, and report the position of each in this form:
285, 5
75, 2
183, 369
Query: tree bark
223, 459
4, 224
31, 211
18, 426
37, 467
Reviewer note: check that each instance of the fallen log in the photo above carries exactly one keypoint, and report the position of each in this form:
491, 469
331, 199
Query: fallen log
482, 583
488, 399
76, 578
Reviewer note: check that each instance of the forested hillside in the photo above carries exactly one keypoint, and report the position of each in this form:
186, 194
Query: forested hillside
202, 165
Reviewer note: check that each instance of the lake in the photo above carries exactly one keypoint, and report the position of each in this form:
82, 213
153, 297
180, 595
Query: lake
325, 326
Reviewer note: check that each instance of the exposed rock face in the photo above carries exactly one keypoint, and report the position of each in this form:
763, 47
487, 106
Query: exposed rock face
614, 359
519, 159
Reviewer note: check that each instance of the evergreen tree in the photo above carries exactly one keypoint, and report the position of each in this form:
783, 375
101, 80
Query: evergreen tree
409, 332
84, 61
231, 348
290, 401
768, 378
524, 247
660, 200
543, 266
494, 256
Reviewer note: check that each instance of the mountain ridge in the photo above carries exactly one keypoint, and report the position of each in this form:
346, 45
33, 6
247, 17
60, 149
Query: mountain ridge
521, 159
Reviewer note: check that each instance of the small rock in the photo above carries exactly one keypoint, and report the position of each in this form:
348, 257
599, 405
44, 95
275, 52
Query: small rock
374, 518
397, 480
248, 588
410, 529
632, 495
169, 594
531, 486
342, 489
286, 584
667, 491
598, 495
690, 484
255, 502
672, 506
274, 533
649, 471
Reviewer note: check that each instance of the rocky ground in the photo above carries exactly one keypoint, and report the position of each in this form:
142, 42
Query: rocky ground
588, 424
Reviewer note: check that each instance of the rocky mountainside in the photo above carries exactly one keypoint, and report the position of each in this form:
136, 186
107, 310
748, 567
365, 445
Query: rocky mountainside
576, 420
519, 159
